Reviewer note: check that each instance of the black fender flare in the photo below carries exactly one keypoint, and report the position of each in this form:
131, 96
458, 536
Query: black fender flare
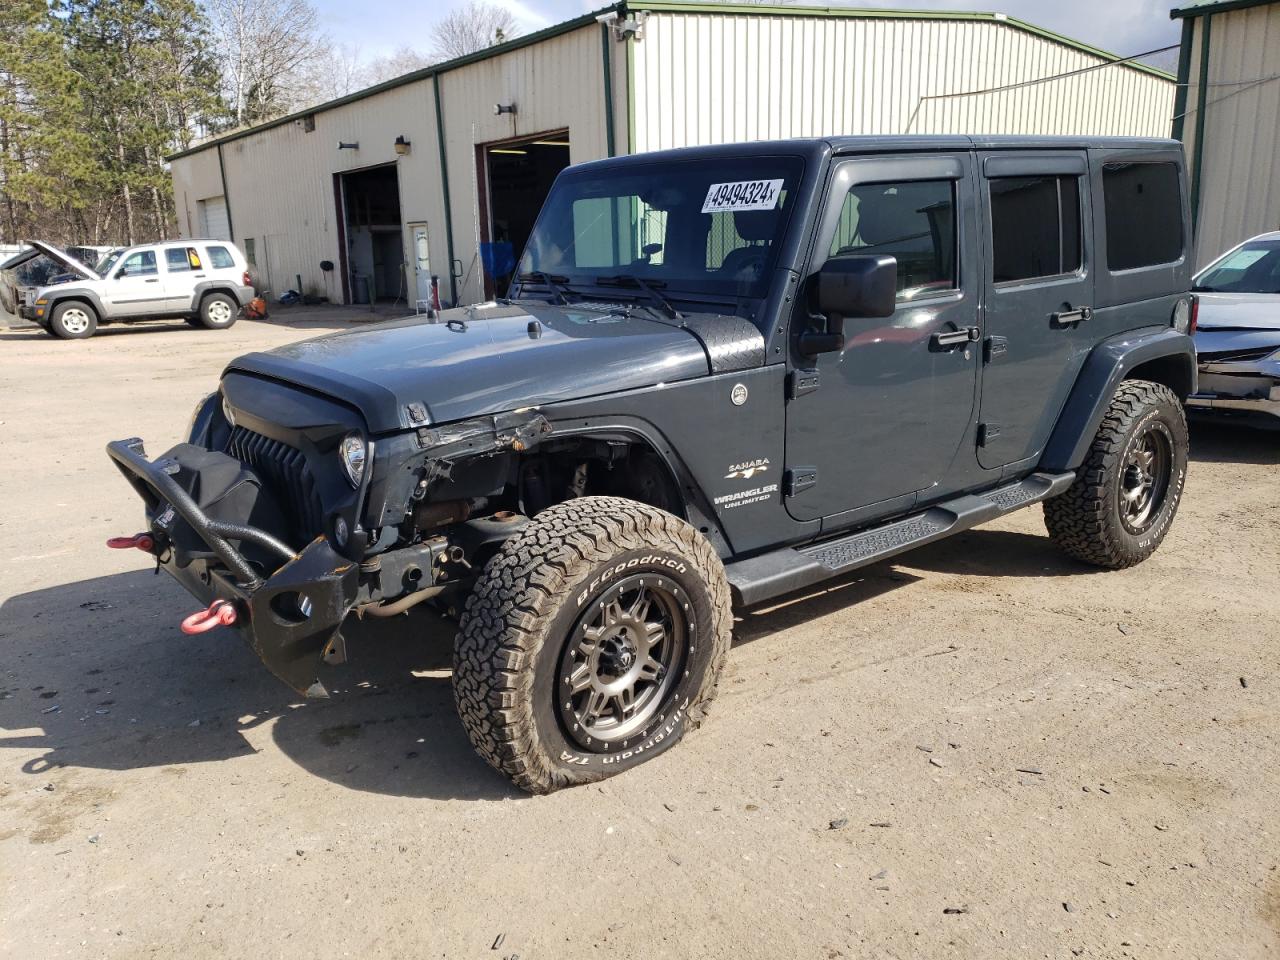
211, 286
1110, 362
697, 506
76, 293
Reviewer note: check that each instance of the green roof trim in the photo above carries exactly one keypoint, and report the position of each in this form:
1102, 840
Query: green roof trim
876, 13
1199, 8
671, 6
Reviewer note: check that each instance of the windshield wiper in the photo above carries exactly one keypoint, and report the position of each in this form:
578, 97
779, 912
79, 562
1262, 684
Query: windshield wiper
556, 284
647, 287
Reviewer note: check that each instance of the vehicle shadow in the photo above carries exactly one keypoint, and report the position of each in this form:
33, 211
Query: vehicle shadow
1219, 440
32, 333
974, 553
99, 676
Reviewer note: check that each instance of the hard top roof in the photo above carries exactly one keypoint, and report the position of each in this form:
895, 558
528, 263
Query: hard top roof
817, 146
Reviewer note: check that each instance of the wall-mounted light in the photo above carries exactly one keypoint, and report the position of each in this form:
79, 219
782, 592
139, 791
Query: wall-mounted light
509, 151
551, 143
348, 146
500, 108
402, 145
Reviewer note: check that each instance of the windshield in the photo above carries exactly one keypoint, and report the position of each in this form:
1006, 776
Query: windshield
1253, 267
108, 261
695, 227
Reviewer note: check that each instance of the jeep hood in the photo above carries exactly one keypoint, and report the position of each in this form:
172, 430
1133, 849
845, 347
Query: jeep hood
1239, 311
486, 359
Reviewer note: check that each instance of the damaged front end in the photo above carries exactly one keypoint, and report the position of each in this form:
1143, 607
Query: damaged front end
424, 528
1239, 371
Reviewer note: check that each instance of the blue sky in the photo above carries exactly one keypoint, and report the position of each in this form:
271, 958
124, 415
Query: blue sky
1121, 26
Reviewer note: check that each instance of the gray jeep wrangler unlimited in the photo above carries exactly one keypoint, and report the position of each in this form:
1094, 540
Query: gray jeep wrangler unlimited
722, 374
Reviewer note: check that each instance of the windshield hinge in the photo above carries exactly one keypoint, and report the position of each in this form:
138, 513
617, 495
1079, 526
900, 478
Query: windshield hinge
801, 382
798, 479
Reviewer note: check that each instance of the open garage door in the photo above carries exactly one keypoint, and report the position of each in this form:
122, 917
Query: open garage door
372, 235
516, 177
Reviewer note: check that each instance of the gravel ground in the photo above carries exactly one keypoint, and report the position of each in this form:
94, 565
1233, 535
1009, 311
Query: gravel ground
980, 750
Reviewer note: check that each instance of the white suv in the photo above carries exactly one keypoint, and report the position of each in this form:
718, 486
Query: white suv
206, 282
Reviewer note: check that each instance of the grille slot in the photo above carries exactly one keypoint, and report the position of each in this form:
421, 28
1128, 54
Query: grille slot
283, 471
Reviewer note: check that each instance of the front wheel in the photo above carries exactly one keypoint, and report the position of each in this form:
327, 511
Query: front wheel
218, 311
73, 321
591, 642
1126, 495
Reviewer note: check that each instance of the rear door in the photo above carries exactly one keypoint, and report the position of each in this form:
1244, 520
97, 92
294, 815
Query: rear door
1038, 289
183, 268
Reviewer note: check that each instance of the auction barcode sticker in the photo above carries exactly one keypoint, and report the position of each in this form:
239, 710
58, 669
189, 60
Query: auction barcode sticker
742, 195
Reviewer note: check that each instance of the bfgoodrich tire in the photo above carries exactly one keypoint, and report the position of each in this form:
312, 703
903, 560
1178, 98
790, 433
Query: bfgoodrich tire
218, 311
1126, 495
73, 320
591, 642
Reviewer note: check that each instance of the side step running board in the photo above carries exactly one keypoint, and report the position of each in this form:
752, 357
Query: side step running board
793, 568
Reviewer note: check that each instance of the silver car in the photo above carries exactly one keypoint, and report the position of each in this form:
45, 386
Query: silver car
1238, 329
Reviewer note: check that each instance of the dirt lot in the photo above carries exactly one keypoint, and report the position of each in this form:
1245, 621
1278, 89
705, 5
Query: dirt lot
983, 750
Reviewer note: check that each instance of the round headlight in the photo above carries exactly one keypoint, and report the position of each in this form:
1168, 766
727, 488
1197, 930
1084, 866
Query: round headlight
228, 413
353, 452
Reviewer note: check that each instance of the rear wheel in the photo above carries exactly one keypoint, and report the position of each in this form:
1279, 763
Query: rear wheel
218, 311
1126, 495
591, 642
73, 320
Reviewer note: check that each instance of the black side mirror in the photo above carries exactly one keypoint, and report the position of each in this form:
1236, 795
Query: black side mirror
865, 285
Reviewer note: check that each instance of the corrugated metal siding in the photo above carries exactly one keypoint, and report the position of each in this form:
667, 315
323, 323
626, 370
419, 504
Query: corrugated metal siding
195, 178
556, 85
280, 180
1240, 163
280, 183
704, 78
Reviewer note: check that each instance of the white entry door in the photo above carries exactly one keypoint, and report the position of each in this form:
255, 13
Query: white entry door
421, 262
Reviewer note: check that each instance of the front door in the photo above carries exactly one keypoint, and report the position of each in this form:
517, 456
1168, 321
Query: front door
136, 288
1039, 291
878, 425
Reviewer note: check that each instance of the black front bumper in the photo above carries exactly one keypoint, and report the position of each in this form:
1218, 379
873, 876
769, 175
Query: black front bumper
290, 614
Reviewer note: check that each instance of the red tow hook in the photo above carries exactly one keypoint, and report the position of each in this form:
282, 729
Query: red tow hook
141, 541
221, 613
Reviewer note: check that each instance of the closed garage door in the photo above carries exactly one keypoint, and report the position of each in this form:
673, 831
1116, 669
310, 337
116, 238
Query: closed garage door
213, 218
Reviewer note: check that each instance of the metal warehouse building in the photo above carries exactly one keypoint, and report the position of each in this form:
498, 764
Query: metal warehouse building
442, 171
1228, 114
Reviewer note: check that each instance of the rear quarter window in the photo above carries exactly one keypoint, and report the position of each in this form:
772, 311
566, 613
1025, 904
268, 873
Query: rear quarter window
1143, 203
220, 258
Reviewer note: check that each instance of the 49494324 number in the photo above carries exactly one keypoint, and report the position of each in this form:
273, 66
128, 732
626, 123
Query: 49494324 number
742, 195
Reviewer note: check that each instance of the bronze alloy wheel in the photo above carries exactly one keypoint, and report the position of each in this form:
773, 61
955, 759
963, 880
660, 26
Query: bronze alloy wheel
621, 661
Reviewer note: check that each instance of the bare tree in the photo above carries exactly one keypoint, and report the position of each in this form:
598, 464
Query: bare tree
265, 48
470, 28
337, 70
404, 60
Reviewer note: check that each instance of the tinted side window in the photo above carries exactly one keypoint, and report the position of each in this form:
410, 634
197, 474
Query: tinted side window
178, 259
220, 258
1144, 214
142, 263
913, 221
1035, 227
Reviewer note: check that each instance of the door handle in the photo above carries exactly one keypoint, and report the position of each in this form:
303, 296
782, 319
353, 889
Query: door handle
954, 338
198, 276
1065, 318
153, 280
